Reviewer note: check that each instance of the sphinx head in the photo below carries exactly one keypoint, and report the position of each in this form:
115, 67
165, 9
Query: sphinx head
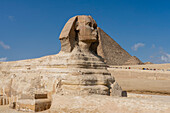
86, 28
79, 31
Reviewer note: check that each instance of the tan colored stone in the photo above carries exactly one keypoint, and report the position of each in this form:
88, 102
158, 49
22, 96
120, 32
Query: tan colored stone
76, 70
116, 90
107, 104
88, 69
133, 61
112, 52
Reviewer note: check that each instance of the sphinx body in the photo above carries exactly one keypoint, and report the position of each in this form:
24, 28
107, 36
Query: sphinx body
76, 70
89, 72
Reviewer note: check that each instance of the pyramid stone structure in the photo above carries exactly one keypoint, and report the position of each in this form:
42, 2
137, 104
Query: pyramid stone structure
112, 52
133, 61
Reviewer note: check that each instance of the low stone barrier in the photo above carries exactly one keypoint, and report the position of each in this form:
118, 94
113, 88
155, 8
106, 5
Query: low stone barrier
142, 81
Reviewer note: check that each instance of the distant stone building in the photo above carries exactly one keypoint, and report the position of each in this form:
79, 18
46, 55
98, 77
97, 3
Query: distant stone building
112, 52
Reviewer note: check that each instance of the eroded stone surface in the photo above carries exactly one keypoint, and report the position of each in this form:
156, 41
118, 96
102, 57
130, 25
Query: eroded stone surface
108, 104
76, 70
89, 73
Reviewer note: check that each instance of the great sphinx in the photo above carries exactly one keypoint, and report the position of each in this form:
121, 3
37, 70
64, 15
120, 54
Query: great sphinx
89, 75
78, 69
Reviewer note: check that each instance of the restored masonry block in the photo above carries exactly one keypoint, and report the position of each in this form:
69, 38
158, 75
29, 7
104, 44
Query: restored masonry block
40, 102
33, 105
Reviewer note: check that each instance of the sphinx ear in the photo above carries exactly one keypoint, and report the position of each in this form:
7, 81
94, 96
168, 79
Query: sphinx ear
66, 31
68, 34
77, 26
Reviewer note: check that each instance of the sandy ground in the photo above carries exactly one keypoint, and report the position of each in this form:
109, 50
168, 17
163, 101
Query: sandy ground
6, 109
147, 81
134, 103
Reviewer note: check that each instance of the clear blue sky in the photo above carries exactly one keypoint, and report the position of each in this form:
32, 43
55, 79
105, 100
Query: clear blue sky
30, 28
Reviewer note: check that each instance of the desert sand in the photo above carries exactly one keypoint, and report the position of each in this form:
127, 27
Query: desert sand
134, 103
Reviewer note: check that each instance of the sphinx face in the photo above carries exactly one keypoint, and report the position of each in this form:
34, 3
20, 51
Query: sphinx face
80, 31
87, 29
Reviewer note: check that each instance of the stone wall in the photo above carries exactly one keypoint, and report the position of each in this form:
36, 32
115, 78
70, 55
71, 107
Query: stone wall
142, 80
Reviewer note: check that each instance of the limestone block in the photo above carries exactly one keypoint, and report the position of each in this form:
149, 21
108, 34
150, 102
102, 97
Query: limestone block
115, 90
33, 105
84, 90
